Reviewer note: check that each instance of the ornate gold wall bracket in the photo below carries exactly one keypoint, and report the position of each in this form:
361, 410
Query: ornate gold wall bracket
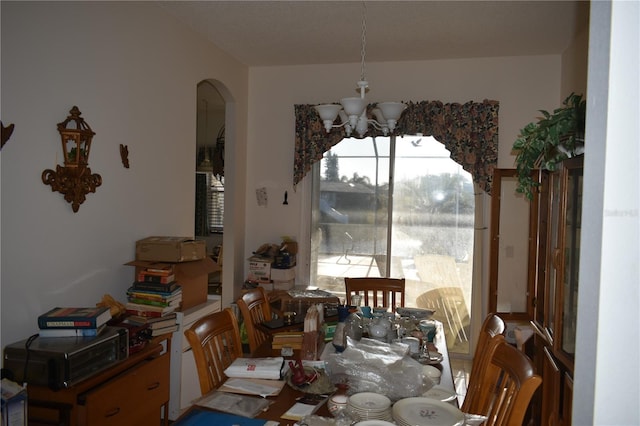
74, 180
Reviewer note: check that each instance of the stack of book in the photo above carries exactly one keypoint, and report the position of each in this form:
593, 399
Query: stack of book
73, 322
154, 294
156, 326
291, 339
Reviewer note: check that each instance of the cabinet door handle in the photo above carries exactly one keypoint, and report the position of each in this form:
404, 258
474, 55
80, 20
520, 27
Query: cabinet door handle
153, 386
113, 412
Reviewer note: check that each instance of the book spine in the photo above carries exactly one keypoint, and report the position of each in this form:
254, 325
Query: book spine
149, 295
166, 279
159, 271
70, 332
146, 296
141, 301
45, 323
177, 290
143, 313
160, 288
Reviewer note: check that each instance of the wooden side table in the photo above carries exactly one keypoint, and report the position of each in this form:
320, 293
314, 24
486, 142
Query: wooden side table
131, 392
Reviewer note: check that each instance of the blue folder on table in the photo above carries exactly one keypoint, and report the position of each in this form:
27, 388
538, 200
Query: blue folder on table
202, 417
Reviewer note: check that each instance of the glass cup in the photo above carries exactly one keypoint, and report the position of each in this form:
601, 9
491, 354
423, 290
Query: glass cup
428, 328
356, 300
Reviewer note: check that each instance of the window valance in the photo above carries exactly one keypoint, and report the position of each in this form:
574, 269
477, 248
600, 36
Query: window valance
469, 131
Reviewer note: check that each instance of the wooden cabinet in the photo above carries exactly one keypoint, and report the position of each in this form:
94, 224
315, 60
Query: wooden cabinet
555, 313
133, 397
132, 392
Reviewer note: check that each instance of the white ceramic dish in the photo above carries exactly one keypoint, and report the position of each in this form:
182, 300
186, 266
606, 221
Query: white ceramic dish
369, 401
433, 373
440, 394
421, 411
374, 423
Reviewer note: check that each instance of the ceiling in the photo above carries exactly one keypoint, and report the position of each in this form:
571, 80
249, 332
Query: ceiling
272, 33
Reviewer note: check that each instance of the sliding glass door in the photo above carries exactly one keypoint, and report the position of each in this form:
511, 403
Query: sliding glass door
397, 207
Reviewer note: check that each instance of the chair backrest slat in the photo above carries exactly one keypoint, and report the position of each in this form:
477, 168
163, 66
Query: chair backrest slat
386, 292
504, 385
255, 309
215, 344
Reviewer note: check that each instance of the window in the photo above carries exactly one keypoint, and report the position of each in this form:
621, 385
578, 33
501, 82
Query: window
397, 207
210, 202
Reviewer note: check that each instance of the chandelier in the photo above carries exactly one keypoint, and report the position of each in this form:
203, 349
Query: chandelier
353, 111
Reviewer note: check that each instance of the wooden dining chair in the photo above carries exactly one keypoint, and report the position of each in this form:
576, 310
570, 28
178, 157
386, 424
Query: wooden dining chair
215, 343
385, 292
255, 309
492, 326
504, 386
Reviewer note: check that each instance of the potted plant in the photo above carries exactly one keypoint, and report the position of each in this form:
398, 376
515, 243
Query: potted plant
554, 137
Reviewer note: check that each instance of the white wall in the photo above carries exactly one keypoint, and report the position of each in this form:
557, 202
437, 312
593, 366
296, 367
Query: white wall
132, 70
522, 85
606, 385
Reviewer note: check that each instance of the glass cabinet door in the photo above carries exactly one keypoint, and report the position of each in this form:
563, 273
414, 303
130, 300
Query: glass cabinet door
553, 261
572, 212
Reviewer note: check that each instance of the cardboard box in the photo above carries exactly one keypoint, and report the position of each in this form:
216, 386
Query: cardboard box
267, 286
170, 249
14, 404
192, 276
283, 274
259, 269
283, 285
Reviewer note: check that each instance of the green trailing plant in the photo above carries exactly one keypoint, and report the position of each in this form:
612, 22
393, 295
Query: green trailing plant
553, 138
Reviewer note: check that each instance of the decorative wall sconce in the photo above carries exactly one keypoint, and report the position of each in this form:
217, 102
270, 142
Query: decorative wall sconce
6, 133
124, 155
74, 180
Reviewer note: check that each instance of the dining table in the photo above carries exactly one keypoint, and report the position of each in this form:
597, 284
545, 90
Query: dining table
288, 396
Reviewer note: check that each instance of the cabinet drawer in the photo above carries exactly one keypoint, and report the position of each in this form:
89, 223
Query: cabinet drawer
134, 397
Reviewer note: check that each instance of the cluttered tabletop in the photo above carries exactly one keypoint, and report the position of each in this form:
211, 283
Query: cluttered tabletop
372, 367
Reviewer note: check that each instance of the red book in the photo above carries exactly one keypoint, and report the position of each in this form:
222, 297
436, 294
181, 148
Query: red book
142, 313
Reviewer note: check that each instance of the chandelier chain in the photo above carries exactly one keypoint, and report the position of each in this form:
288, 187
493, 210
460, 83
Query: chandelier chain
364, 42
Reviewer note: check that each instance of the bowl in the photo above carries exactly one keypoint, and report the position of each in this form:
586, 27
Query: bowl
432, 373
378, 330
337, 403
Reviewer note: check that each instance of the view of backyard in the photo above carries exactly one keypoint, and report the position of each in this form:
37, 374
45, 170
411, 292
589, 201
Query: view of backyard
431, 228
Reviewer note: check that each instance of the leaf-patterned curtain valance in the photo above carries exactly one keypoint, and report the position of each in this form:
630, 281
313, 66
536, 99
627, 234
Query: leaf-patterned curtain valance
469, 131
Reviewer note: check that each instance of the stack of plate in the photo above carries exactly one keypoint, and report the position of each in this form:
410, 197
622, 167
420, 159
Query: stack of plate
369, 406
422, 411
374, 423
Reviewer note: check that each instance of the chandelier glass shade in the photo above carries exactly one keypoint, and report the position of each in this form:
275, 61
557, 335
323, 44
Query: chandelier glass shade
353, 111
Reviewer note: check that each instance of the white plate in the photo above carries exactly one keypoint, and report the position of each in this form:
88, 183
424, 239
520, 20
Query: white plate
440, 393
374, 423
421, 411
369, 401
417, 313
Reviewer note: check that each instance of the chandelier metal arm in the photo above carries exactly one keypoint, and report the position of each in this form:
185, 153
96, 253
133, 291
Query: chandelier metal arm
353, 111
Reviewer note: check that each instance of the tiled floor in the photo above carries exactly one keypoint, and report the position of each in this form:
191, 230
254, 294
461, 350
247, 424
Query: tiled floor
460, 368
